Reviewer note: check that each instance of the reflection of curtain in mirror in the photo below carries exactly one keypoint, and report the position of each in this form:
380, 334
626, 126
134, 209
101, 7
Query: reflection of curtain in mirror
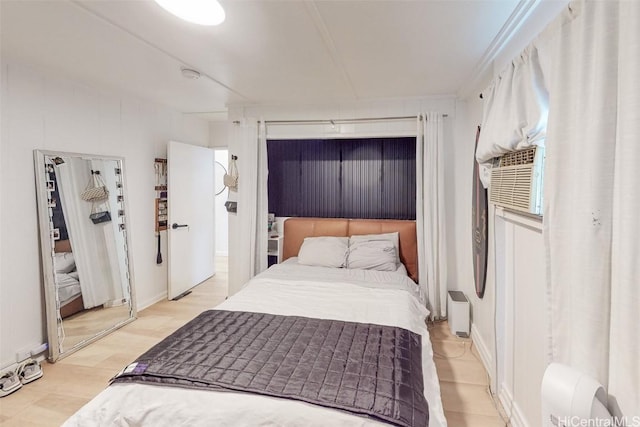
114, 237
87, 239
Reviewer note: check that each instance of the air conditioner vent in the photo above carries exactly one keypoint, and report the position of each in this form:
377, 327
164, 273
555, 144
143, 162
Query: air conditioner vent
521, 157
516, 182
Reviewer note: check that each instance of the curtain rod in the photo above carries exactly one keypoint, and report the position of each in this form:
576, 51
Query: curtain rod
340, 121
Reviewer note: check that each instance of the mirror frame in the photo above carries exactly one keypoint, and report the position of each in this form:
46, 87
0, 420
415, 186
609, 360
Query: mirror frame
46, 250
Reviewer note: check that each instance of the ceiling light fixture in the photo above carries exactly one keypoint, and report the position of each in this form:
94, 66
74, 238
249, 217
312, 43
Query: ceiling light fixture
201, 12
190, 73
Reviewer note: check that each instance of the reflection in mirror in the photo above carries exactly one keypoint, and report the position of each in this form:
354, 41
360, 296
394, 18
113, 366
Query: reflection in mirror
88, 290
219, 172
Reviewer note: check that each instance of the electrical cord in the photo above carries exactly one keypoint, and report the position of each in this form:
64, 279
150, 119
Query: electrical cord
431, 324
458, 356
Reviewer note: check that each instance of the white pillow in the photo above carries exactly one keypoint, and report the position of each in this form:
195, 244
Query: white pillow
393, 237
372, 255
324, 251
63, 262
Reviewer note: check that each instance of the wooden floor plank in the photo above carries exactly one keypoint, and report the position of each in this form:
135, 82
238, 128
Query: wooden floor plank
68, 384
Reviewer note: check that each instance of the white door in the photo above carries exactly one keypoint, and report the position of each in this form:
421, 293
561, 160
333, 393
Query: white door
191, 216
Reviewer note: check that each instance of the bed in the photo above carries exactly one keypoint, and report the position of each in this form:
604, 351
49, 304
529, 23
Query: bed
67, 280
357, 298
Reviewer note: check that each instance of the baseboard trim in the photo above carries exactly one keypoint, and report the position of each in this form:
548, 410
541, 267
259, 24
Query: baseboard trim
483, 351
511, 408
8, 366
150, 301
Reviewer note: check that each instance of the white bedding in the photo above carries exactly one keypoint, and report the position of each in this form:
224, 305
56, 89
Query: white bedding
286, 289
291, 270
68, 285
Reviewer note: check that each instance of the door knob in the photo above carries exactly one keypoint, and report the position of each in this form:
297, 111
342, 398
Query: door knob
175, 225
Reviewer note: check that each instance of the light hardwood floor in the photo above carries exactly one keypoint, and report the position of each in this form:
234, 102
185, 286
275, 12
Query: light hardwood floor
464, 383
86, 324
73, 381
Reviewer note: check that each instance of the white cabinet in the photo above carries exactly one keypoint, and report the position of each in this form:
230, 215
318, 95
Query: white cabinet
274, 249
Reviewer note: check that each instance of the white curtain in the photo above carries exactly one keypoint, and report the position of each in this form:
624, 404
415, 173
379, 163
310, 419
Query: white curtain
114, 238
261, 233
248, 235
515, 111
87, 239
430, 215
592, 199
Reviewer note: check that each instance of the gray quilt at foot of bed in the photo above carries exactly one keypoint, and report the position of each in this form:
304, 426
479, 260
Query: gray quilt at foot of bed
365, 369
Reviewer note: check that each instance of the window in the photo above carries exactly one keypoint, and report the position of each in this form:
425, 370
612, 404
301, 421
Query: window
343, 178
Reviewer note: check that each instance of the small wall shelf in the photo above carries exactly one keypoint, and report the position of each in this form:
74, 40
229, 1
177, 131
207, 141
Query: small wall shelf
161, 220
274, 249
161, 214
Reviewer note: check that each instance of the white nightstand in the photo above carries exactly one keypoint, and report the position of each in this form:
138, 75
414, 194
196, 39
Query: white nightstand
274, 248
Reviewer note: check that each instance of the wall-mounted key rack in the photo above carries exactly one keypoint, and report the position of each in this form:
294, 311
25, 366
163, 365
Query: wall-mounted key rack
160, 166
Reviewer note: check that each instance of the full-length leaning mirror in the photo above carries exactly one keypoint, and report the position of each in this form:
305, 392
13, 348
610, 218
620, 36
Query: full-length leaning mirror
83, 237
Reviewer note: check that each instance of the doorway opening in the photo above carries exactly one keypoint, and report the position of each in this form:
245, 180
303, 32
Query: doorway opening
221, 166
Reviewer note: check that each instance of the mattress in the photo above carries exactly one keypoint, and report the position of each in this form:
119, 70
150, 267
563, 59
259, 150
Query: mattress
383, 298
68, 285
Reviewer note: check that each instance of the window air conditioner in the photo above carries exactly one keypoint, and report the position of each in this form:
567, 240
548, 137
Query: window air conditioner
516, 181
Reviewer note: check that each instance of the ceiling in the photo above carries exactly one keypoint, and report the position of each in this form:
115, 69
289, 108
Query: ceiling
266, 52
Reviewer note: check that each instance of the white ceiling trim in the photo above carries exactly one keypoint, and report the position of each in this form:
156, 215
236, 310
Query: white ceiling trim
508, 30
314, 13
156, 47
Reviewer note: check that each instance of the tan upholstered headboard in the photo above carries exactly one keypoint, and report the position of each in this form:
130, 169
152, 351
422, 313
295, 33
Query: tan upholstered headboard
62, 246
296, 229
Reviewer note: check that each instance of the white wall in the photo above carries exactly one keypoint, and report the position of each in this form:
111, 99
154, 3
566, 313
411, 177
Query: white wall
520, 314
460, 168
515, 278
218, 134
42, 111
